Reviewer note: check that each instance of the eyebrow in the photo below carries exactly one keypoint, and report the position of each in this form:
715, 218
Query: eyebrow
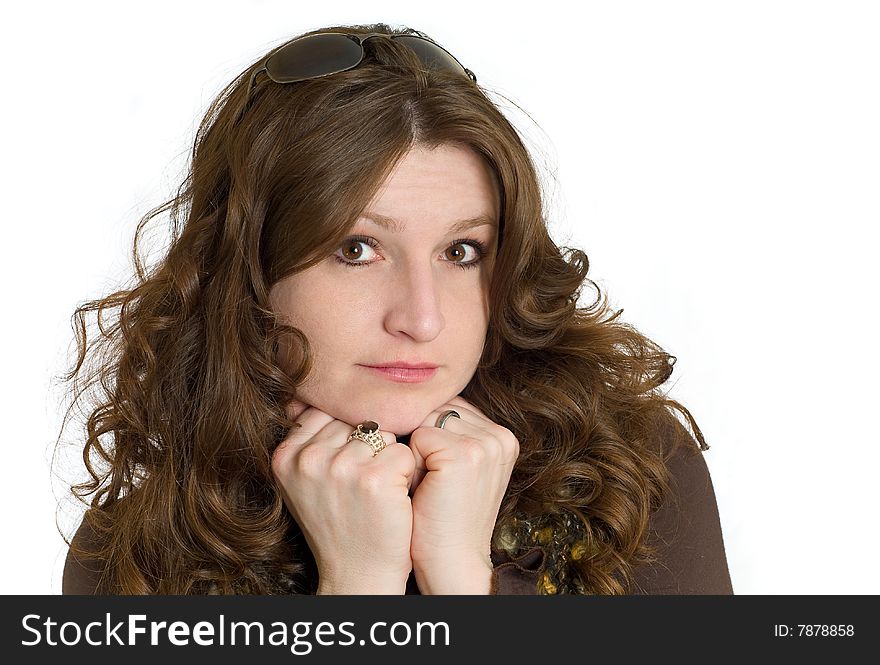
393, 225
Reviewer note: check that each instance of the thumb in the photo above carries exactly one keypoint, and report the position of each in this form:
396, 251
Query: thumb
421, 468
417, 477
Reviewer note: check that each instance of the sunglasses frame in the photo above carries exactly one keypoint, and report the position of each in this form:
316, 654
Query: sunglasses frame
359, 39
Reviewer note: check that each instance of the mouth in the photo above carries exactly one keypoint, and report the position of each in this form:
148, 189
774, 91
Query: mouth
403, 374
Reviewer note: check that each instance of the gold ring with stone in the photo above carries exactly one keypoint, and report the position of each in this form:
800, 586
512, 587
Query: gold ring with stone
368, 432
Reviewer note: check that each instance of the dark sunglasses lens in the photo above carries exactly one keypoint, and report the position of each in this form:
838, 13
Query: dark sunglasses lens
313, 56
431, 54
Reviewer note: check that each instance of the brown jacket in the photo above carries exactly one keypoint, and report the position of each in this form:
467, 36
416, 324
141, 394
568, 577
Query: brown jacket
686, 531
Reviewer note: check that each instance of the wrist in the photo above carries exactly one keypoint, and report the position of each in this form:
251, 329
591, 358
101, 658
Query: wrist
361, 586
331, 589
449, 578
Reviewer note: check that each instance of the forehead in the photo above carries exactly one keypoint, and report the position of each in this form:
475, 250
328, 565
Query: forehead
448, 185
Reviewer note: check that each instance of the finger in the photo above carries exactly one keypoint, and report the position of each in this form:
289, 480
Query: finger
317, 428
466, 422
431, 446
419, 469
399, 455
294, 408
458, 402
468, 413
395, 458
363, 449
308, 424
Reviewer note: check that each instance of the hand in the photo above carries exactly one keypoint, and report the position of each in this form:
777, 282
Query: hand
353, 508
462, 472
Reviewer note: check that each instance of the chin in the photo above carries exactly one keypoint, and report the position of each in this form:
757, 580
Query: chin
395, 414
401, 425
404, 429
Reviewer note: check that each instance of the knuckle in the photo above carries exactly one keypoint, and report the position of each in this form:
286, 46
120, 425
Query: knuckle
310, 460
509, 443
371, 479
513, 451
473, 450
343, 467
401, 457
279, 460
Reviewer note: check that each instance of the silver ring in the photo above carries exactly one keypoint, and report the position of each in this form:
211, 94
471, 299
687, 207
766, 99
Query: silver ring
446, 415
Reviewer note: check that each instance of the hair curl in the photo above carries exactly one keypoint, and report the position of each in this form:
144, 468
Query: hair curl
190, 398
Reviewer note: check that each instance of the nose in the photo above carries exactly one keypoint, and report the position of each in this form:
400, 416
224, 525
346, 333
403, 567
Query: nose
415, 304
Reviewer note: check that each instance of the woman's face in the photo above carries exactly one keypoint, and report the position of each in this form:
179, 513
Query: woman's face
408, 285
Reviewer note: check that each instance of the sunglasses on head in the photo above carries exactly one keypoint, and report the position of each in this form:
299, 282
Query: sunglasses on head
314, 56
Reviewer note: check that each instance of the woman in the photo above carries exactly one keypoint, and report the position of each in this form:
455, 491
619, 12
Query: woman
361, 366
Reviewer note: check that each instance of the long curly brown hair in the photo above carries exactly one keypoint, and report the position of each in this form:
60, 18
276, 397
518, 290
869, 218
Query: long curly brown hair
185, 396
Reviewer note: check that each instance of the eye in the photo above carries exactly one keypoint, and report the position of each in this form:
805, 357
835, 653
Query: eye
461, 253
351, 251
463, 259
457, 253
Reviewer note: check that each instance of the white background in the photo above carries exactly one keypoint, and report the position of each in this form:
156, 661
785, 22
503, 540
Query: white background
719, 162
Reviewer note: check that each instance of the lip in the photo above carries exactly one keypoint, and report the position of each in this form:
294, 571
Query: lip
403, 373
404, 365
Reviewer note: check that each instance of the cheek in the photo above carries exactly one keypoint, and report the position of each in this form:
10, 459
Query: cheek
301, 303
470, 320
329, 341
306, 301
